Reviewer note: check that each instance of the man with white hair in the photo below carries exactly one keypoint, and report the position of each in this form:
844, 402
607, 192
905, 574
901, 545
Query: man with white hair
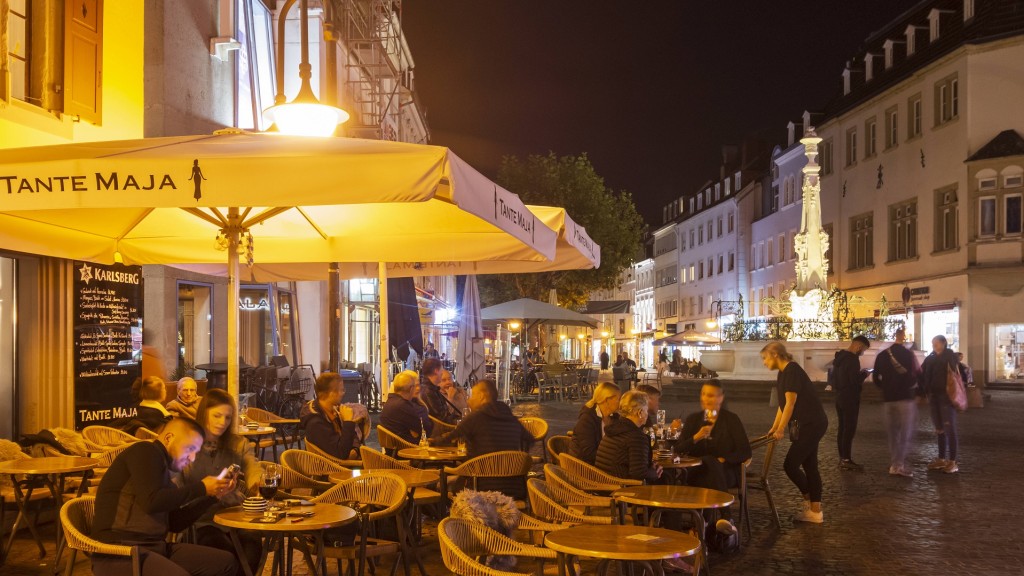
188, 399
403, 413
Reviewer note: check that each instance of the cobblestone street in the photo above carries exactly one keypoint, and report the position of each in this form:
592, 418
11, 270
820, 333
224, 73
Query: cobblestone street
934, 523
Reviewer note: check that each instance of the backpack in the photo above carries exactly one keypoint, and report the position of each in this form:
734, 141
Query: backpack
721, 543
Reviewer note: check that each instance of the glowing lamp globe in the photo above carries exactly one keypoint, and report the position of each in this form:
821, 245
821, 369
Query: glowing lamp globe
306, 118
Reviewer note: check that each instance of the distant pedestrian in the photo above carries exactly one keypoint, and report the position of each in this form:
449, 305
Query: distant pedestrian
966, 374
605, 359
896, 373
799, 410
934, 371
849, 379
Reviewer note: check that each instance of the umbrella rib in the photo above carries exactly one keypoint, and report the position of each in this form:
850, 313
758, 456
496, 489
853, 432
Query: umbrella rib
245, 214
265, 215
313, 224
203, 215
137, 221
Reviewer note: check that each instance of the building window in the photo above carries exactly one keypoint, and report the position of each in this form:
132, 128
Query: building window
728, 186
825, 157
710, 231
18, 48
1012, 212
987, 216
861, 241
700, 202
718, 192
1012, 180
700, 270
195, 324
711, 266
721, 259
933, 24
914, 116
892, 130
691, 238
255, 66
870, 138
739, 181
719, 226
774, 206
946, 217
691, 206
753, 257
947, 100
770, 251
987, 183
851, 146
700, 235
968, 10
782, 248
903, 231
732, 221
732, 261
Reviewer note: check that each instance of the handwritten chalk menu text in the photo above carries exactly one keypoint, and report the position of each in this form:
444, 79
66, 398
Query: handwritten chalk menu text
107, 340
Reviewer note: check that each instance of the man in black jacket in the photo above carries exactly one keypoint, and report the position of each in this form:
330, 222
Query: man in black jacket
328, 424
138, 504
403, 414
430, 393
718, 438
491, 427
896, 373
849, 379
625, 451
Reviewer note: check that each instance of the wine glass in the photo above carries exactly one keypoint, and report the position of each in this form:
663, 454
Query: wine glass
269, 481
243, 413
709, 419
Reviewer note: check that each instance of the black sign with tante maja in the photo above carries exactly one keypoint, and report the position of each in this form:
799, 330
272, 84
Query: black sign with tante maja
107, 341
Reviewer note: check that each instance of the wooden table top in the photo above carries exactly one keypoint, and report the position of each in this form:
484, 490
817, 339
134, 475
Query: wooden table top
432, 454
324, 516
262, 430
48, 465
412, 478
670, 496
684, 462
618, 542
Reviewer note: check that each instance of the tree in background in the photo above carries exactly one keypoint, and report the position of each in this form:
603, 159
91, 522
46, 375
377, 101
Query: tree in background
610, 218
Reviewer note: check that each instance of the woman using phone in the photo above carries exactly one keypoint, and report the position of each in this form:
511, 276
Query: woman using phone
801, 412
222, 448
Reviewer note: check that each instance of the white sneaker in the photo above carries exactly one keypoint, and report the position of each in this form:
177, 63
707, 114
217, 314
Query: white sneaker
906, 473
951, 467
811, 516
893, 471
725, 527
938, 464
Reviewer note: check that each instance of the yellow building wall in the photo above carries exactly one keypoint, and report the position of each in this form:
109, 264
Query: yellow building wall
23, 124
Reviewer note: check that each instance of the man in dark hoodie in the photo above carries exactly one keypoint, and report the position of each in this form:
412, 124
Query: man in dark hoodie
625, 451
849, 379
329, 428
430, 393
490, 427
896, 373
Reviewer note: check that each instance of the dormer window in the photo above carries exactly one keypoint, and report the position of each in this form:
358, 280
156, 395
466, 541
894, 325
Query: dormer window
968, 10
888, 47
869, 67
846, 81
933, 24
911, 34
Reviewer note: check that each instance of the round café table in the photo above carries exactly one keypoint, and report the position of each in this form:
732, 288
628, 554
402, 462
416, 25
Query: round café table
435, 456
276, 535
640, 544
689, 498
257, 436
27, 474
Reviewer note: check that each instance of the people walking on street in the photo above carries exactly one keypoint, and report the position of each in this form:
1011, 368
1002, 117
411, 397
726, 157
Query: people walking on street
799, 410
848, 378
605, 359
896, 373
934, 372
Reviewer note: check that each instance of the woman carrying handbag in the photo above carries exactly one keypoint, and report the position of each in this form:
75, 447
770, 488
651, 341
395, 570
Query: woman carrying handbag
935, 377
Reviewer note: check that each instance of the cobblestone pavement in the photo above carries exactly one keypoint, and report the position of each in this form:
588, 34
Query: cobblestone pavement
934, 524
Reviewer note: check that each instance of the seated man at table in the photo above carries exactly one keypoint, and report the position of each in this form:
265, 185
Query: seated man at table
453, 392
403, 414
625, 451
653, 403
187, 401
329, 425
491, 427
718, 438
138, 504
430, 393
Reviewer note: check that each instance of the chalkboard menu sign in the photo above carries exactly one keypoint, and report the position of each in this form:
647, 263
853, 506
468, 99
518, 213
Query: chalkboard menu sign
107, 340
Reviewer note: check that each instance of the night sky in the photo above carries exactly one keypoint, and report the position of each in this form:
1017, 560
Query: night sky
650, 90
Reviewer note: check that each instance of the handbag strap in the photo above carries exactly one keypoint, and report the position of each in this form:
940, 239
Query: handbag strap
896, 363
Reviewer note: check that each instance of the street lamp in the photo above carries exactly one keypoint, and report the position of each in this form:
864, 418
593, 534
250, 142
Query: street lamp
304, 115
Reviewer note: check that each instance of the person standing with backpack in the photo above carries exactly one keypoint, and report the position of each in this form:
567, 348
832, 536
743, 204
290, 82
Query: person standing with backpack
896, 373
849, 379
934, 371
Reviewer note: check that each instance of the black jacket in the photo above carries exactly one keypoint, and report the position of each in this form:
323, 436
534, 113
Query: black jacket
491, 428
625, 451
336, 437
437, 405
933, 373
896, 383
136, 500
145, 417
849, 378
728, 438
586, 435
405, 418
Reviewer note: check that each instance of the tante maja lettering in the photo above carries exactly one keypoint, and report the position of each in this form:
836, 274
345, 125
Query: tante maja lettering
523, 220
111, 181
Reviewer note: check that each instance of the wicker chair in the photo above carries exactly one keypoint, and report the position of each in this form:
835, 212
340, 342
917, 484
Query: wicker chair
311, 464
440, 426
462, 541
545, 505
143, 433
538, 428
758, 480
567, 494
589, 478
296, 485
101, 438
504, 464
556, 445
538, 528
386, 495
374, 460
310, 447
281, 436
76, 517
390, 442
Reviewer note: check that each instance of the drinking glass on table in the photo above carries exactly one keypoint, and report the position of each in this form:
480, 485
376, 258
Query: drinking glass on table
709, 420
243, 413
269, 481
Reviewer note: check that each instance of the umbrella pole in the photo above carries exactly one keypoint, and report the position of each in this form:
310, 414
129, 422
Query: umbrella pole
233, 236
382, 291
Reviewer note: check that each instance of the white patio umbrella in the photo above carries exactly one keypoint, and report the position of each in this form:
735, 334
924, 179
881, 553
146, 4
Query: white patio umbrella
274, 198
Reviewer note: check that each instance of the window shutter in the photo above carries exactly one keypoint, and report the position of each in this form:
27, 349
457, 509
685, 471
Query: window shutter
83, 59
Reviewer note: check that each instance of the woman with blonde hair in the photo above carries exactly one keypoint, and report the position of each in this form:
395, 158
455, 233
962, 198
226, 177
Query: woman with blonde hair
799, 410
595, 414
150, 413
